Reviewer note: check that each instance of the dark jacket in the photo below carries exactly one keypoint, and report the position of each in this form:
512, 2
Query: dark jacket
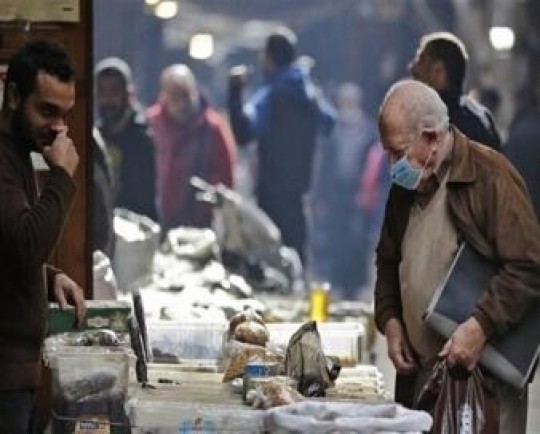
284, 117
491, 209
523, 150
472, 119
132, 155
29, 229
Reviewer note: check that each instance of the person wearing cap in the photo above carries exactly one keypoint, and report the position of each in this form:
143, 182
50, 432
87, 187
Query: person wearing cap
123, 126
441, 62
191, 139
284, 117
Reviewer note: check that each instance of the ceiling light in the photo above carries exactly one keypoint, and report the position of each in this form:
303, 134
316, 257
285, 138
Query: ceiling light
166, 9
502, 38
201, 46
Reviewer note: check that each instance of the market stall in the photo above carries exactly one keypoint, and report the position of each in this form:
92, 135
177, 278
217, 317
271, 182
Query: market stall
192, 345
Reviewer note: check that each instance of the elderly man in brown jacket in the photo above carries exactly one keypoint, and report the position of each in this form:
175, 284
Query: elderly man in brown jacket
447, 189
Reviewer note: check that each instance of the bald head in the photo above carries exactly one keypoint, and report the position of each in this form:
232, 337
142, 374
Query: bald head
414, 107
413, 124
179, 92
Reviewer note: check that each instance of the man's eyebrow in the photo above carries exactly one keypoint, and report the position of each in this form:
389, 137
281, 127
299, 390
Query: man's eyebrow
50, 105
55, 107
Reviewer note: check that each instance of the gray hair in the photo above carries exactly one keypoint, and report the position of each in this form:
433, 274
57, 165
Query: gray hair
181, 75
420, 105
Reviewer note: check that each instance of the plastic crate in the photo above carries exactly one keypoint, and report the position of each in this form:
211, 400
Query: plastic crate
89, 391
174, 342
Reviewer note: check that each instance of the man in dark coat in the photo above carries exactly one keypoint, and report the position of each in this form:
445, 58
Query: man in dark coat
284, 117
441, 62
123, 126
523, 145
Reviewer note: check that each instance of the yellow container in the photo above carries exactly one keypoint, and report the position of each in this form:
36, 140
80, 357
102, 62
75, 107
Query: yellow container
319, 301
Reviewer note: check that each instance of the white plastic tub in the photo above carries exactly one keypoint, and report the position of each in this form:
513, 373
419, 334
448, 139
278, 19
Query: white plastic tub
173, 341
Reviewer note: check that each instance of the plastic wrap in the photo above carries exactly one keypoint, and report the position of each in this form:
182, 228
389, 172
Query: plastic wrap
104, 280
272, 392
87, 388
241, 354
251, 332
326, 417
136, 242
464, 405
241, 317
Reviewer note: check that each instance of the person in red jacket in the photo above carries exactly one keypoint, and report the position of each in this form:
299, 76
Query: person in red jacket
191, 139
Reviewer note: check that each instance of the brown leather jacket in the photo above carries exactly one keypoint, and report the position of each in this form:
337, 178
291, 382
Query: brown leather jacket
490, 206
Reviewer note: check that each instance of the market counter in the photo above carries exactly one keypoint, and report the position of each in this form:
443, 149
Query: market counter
190, 401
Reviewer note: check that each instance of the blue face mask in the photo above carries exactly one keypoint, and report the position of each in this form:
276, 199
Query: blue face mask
405, 175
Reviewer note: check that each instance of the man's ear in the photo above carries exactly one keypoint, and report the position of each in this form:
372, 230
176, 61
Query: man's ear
13, 97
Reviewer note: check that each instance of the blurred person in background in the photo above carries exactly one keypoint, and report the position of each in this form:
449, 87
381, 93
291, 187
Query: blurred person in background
340, 249
284, 117
103, 198
441, 62
191, 139
123, 126
39, 96
523, 145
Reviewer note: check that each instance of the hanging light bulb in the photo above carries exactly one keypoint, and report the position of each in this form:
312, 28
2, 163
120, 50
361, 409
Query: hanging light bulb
502, 38
166, 9
201, 46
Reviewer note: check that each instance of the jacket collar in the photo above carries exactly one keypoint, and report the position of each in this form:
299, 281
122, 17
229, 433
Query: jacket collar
462, 169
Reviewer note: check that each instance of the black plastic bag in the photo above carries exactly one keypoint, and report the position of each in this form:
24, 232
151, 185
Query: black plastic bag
459, 404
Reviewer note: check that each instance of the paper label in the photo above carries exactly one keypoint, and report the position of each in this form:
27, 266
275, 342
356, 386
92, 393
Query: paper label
92, 425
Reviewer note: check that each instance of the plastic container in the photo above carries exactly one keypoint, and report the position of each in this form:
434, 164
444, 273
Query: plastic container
151, 417
344, 340
89, 391
177, 342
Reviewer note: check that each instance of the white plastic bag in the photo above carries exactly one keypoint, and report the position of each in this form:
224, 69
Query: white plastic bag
105, 287
337, 417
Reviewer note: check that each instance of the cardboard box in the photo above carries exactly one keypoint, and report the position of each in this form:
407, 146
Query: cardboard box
100, 314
